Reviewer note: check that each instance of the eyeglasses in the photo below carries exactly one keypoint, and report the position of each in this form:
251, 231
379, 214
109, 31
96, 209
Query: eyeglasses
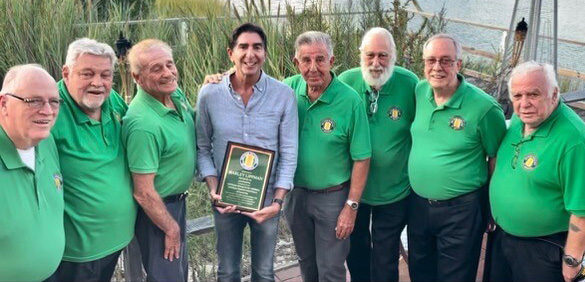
38, 103
373, 98
444, 62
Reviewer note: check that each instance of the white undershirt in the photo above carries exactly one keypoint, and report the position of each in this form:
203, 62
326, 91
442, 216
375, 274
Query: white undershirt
28, 157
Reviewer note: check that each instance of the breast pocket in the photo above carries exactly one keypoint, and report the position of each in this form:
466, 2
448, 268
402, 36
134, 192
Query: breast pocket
266, 126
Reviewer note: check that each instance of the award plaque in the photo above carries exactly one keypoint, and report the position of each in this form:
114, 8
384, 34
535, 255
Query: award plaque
244, 177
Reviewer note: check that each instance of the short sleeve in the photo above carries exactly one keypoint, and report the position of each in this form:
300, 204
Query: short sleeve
143, 151
360, 147
492, 129
572, 179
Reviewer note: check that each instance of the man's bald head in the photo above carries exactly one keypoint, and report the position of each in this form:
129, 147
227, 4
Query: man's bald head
29, 104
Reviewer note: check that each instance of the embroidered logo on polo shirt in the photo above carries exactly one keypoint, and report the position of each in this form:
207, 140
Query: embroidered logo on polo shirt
327, 125
530, 162
58, 181
249, 161
394, 113
457, 123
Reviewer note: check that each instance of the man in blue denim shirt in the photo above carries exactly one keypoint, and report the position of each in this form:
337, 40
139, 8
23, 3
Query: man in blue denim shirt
252, 108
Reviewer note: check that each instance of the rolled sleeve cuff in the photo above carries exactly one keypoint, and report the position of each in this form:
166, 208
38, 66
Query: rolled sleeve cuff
205, 172
361, 156
285, 184
578, 213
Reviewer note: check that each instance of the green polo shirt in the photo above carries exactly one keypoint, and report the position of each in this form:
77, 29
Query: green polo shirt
99, 208
389, 133
450, 142
31, 213
162, 141
333, 132
539, 179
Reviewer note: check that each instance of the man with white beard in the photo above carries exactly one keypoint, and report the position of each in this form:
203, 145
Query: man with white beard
388, 93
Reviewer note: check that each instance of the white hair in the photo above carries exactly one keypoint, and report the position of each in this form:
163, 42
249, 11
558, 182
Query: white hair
530, 66
88, 46
142, 47
312, 37
379, 31
458, 48
15, 74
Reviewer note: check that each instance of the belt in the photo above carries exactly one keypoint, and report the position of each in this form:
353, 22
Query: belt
328, 189
453, 201
176, 197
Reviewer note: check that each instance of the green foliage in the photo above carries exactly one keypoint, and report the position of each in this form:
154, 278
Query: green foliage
40, 31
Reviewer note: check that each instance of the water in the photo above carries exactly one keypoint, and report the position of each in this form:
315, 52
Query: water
571, 15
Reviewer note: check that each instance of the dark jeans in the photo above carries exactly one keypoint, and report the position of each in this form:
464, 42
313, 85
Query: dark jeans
374, 255
444, 238
230, 233
99, 270
526, 258
152, 245
312, 218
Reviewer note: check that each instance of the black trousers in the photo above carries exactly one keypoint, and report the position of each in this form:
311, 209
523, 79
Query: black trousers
444, 238
151, 241
100, 270
526, 258
373, 256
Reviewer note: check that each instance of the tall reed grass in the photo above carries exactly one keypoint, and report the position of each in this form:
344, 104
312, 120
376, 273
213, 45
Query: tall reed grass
40, 31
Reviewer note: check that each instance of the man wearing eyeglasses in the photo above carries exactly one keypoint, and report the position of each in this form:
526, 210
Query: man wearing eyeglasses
388, 93
99, 208
31, 189
537, 192
455, 136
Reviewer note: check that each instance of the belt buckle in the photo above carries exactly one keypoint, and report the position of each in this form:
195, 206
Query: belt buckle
183, 195
433, 202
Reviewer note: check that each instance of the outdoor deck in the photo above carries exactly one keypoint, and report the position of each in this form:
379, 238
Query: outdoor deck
293, 273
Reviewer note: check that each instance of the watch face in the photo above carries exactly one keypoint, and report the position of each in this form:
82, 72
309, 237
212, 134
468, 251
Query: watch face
354, 206
570, 261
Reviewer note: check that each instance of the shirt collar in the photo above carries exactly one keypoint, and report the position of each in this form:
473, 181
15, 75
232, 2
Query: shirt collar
330, 92
153, 103
79, 116
8, 152
457, 98
260, 85
546, 126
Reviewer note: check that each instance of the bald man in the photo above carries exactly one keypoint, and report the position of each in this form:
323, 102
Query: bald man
31, 197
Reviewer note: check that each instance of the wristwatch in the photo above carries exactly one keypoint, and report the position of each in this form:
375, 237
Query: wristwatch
278, 201
571, 261
352, 204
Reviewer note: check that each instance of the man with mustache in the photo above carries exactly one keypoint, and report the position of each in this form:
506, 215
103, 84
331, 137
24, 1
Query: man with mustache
455, 136
31, 192
99, 208
388, 95
537, 192
159, 134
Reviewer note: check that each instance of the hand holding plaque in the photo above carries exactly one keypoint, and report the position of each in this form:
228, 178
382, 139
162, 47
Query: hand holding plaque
244, 177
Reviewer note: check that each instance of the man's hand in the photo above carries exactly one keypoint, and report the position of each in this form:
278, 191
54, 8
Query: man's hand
264, 214
569, 273
172, 243
212, 182
216, 78
213, 78
345, 222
